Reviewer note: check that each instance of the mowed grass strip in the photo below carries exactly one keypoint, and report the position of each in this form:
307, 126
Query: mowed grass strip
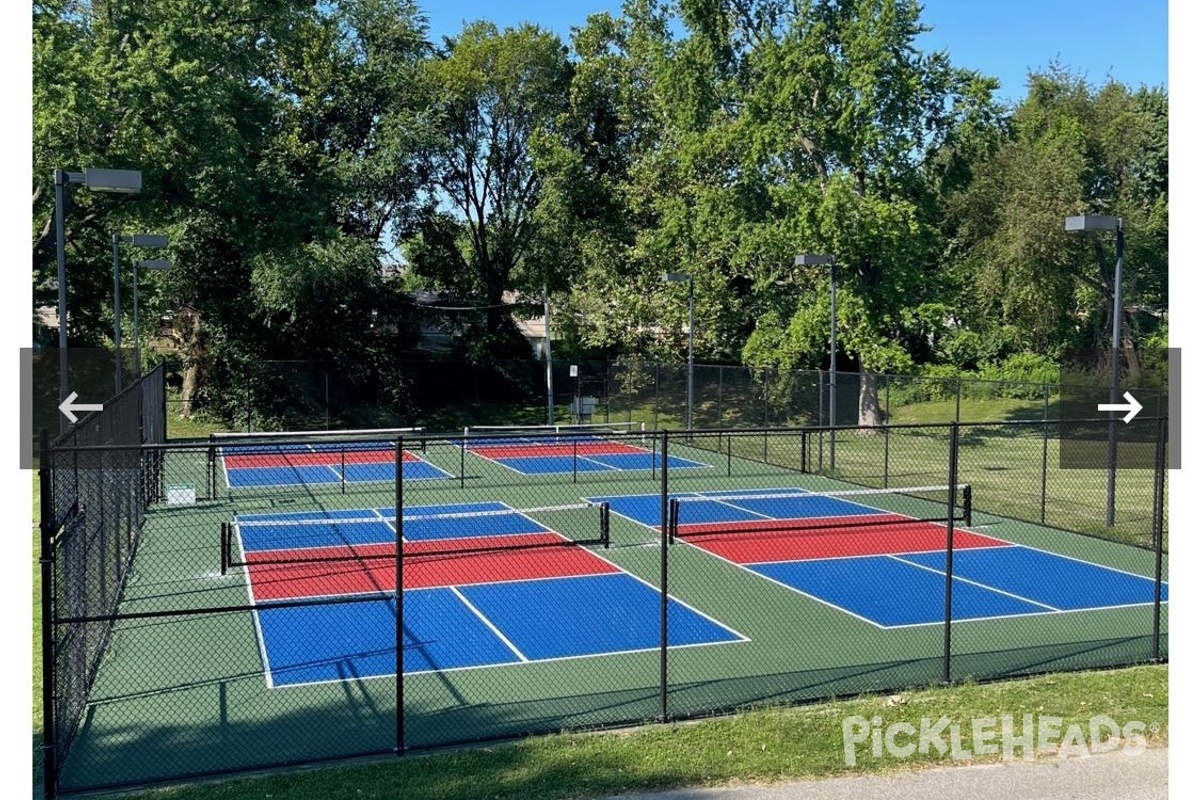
761, 746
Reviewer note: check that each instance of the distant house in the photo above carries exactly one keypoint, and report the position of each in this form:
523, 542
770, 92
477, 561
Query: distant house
447, 320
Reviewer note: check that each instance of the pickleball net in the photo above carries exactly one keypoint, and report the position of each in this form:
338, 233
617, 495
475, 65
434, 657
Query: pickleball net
764, 513
361, 536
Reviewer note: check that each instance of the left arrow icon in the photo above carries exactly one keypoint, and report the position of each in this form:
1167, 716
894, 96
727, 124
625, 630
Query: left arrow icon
68, 407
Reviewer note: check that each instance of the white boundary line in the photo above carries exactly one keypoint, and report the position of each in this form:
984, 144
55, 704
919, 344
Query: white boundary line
385, 522
262, 642
977, 584
759, 575
488, 623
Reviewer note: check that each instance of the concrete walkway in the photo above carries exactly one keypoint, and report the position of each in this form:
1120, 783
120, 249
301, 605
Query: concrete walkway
1108, 776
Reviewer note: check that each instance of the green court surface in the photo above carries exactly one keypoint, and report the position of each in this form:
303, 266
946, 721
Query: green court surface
182, 688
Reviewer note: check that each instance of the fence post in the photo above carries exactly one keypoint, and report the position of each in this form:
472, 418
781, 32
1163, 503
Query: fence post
887, 438
958, 400
720, 388
657, 367
953, 496
1160, 472
665, 532
46, 560
399, 589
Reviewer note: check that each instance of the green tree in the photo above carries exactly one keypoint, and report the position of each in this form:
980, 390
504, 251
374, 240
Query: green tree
276, 141
495, 97
1071, 149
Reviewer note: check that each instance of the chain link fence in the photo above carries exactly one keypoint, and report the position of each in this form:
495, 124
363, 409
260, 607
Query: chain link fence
445, 395
250, 602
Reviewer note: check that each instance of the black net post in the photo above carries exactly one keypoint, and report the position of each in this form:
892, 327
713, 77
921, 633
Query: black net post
1160, 475
46, 503
953, 497
605, 515
399, 593
225, 548
672, 519
662, 656
574, 460
211, 471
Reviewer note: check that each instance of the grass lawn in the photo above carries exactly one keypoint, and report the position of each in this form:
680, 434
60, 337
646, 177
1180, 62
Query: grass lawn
759, 746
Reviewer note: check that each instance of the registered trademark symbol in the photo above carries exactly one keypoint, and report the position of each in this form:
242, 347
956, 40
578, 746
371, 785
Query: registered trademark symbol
1154, 727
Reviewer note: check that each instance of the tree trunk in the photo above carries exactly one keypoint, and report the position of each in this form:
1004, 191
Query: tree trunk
868, 399
185, 331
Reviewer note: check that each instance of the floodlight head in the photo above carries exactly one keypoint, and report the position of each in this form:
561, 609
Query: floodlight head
813, 260
676, 277
120, 181
1093, 222
154, 263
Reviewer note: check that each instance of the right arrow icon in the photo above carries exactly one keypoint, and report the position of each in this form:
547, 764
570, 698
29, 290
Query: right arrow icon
1132, 406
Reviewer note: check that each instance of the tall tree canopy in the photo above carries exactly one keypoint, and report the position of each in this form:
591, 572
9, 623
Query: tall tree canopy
495, 97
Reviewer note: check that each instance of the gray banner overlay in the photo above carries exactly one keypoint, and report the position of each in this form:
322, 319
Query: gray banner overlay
1175, 406
1111, 416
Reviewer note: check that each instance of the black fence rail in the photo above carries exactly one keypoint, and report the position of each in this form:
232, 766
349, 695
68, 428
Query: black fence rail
284, 601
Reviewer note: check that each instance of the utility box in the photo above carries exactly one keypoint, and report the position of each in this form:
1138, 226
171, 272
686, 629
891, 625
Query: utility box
583, 408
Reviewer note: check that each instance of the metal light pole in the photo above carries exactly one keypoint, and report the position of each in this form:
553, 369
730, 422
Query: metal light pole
549, 360
121, 181
150, 263
818, 260
137, 240
1102, 222
677, 277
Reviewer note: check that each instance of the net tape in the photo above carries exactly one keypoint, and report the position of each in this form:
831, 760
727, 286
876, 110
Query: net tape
546, 537
958, 510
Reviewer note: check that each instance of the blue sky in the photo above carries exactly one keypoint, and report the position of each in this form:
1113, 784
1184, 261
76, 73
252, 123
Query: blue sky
1126, 39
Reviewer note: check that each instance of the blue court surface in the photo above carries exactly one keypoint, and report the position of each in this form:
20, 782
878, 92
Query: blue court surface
259, 466
474, 626
884, 568
491, 606
573, 454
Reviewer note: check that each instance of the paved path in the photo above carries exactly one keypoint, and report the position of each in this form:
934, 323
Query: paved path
1108, 776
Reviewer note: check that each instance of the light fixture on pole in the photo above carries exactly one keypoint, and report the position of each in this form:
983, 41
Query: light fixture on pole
821, 260
679, 277
120, 181
1103, 222
160, 264
137, 240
